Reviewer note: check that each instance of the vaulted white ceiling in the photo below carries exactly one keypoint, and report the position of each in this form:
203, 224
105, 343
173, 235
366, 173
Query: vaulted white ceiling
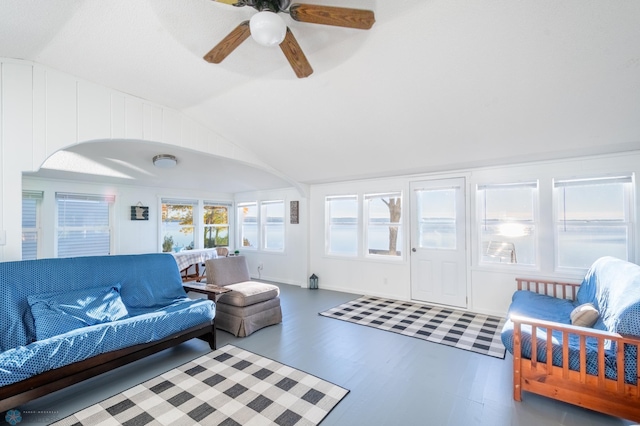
434, 85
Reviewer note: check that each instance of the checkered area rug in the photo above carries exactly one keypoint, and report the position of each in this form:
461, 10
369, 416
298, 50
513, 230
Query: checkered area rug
229, 386
460, 329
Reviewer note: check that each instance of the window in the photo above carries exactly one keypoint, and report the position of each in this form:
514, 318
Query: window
437, 216
248, 225
84, 227
507, 223
342, 225
272, 225
216, 224
384, 224
593, 219
30, 223
177, 225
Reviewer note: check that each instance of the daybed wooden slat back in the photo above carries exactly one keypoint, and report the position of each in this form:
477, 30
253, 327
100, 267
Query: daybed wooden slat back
565, 355
549, 350
517, 361
583, 358
550, 288
620, 367
534, 347
601, 363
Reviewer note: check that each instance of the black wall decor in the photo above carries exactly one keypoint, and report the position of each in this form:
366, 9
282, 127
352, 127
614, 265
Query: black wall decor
139, 213
293, 212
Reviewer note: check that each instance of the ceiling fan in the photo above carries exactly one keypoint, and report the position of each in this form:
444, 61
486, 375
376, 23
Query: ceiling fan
268, 29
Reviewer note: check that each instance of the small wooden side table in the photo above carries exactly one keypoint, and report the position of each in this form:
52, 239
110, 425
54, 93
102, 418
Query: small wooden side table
213, 292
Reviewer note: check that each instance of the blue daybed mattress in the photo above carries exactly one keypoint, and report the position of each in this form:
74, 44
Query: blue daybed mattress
533, 305
143, 325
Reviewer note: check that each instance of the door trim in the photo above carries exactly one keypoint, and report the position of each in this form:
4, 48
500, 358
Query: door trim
467, 233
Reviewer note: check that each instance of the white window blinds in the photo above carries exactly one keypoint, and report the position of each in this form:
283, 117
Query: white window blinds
83, 224
30, 225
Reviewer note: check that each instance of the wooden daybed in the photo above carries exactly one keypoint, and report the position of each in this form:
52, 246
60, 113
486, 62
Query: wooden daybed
65, 320
595, 392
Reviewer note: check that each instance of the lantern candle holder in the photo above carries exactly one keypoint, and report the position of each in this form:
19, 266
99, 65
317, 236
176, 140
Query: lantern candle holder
313, 282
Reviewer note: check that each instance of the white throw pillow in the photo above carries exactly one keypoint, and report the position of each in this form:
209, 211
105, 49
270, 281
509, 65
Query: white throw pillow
584, 315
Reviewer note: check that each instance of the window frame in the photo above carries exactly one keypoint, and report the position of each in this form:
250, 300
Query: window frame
194, 203
328, 223
508, 248
109, 200
400, 237
227, 225
37, 197
263, 220
628, 212
240, 228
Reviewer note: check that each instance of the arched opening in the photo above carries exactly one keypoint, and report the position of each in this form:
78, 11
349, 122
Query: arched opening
124, 171
129, 162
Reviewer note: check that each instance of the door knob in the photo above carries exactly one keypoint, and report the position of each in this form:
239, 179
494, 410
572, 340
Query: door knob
413, 249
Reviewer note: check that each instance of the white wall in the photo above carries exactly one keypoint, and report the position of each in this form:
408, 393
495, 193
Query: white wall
290, 266
376, 277
489, 287
43, 111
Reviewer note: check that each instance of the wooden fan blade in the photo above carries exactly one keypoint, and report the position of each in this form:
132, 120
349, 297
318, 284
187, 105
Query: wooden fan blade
329, 15
229, 43
295, 56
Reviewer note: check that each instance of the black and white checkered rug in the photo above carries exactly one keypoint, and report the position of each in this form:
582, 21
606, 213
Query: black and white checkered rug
229, 386
461, 329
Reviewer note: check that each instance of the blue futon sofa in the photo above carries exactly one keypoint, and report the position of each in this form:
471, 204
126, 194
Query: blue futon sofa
65, 320
579, 342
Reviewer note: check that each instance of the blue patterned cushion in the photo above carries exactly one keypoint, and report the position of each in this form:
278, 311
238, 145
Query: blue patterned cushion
60, 312
144, 325
147, 280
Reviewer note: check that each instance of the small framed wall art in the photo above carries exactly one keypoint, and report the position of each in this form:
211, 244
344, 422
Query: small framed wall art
139, 212
293, 212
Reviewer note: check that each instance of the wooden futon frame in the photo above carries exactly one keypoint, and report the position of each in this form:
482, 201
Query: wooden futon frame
34, 387
614, 397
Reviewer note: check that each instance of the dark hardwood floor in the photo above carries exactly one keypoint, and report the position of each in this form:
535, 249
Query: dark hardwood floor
393, 379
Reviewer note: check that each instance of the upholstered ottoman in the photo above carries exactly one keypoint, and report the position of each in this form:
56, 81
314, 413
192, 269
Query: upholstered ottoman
250, 305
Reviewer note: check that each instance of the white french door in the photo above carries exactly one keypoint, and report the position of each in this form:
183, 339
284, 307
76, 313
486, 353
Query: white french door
438, 246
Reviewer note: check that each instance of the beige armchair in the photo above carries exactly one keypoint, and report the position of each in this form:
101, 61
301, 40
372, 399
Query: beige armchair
250, 305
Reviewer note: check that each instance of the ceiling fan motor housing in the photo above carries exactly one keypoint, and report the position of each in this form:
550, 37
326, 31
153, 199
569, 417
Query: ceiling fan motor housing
272, 5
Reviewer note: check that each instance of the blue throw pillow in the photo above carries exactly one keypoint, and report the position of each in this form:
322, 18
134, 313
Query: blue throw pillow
58, 313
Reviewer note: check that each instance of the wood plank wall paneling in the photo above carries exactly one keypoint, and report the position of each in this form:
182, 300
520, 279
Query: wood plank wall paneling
43, 110
61, 111
39, 144
17, 149
17, 128
94, 112
171, 127
134, 118
117, 116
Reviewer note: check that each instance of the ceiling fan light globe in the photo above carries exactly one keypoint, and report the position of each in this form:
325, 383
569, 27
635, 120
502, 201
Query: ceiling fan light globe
267, 28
